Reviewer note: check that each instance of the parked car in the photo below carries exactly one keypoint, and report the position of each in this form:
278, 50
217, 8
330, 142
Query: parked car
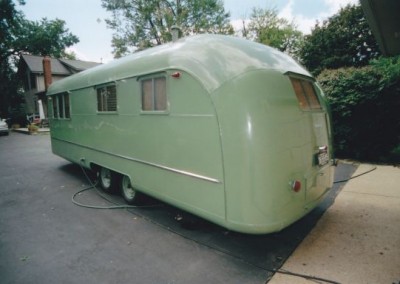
4, 127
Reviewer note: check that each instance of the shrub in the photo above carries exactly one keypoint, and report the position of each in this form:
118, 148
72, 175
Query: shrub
33, 128
365, 104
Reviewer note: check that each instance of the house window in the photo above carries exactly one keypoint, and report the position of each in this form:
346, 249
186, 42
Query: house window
154, 94
107, 98
32, 79
61, 106
306, 95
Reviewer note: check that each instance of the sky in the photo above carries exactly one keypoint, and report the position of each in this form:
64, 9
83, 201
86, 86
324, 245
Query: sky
86, 19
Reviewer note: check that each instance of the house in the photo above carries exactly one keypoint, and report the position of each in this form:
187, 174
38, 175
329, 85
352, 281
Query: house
33, 76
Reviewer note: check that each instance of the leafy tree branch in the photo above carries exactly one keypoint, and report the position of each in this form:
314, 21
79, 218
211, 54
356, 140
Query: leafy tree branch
140, 24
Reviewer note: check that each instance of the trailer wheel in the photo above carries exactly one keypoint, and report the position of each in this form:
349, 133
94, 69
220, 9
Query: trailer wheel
127, 191
108, 179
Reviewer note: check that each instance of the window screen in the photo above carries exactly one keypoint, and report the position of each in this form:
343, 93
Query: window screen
107, 98
305, 94
154, 94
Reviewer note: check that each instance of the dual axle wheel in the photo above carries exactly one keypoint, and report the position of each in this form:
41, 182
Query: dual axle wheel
111, 181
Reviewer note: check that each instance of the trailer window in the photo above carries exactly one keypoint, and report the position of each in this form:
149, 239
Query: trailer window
305, 94
154, 94
55, 108
61, 105
107, 98
67, 111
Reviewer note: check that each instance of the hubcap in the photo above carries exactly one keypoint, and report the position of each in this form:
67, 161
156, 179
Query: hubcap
105, 176
129, 192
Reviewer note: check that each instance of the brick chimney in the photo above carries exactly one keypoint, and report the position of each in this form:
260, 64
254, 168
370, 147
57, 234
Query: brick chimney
47, 72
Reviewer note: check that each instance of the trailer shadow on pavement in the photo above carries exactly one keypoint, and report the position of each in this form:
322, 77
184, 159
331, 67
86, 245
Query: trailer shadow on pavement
45, 238
266, 252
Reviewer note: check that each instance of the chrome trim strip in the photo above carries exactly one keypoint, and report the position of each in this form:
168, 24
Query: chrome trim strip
182, 172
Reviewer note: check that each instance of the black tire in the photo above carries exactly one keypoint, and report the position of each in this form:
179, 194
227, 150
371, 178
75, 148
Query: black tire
130, 194
108, 179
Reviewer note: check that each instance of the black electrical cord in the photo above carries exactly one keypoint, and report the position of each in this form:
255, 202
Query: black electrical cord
356, 176
93, 185
96, 206
307, 277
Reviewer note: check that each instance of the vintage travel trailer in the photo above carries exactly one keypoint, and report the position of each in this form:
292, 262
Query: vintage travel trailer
227, 129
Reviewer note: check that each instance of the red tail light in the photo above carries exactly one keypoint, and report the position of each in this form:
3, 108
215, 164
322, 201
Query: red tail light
296, 186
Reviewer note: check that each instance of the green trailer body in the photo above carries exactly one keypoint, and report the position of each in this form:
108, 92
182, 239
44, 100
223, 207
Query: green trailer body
218, 126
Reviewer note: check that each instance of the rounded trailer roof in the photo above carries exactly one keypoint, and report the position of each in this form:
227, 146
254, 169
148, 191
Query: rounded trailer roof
212, 59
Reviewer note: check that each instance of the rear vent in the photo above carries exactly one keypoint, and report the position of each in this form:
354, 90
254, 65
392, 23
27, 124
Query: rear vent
305, 94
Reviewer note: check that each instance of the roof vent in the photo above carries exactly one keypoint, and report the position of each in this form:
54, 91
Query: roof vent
175, 31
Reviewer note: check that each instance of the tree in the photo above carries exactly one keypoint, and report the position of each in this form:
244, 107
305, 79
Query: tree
139, 24
9, 23
267, 28
71, 55
343, 40
45, 37
19, 35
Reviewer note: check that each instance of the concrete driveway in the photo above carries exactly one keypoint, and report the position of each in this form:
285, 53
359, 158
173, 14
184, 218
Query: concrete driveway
358, 239
45, 238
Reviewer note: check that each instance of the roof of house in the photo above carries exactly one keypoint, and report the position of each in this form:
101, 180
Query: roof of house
79, 65
58, 66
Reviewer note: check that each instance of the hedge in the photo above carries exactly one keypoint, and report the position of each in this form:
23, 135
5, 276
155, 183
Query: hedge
365, 104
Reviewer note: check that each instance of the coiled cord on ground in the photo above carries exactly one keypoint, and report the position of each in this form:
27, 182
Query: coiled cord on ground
93, 185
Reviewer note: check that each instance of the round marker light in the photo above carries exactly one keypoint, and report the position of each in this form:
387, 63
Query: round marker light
296, 186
